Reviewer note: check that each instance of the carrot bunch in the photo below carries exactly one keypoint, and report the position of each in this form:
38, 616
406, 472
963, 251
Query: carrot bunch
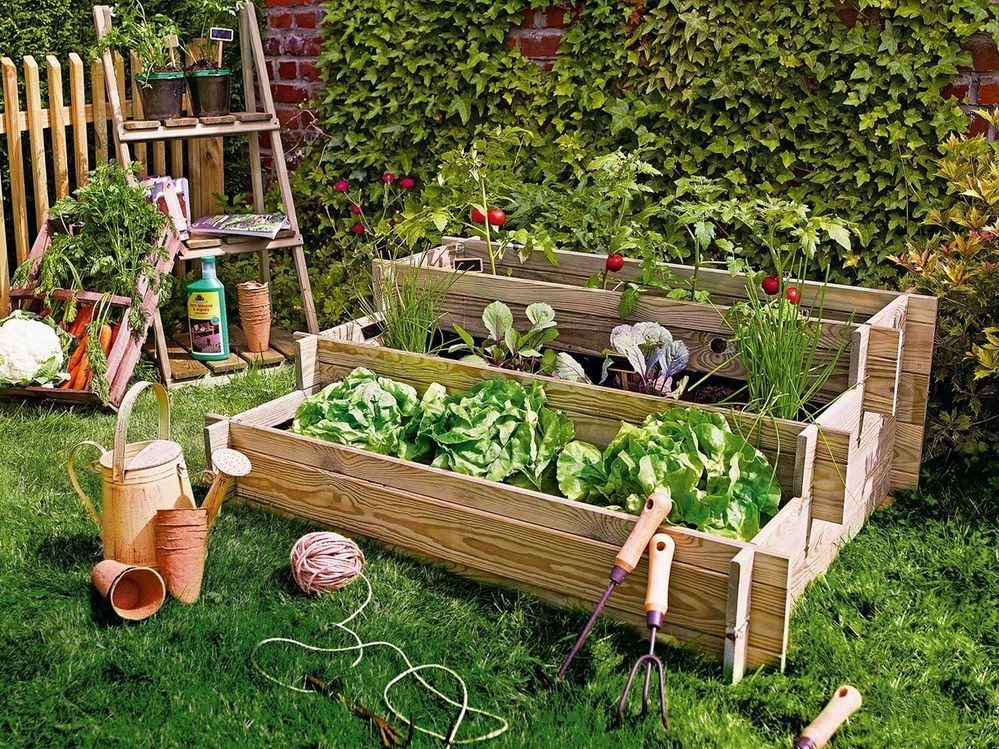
80, 371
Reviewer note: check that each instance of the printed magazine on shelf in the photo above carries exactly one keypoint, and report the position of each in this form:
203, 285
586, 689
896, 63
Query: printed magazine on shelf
241, 225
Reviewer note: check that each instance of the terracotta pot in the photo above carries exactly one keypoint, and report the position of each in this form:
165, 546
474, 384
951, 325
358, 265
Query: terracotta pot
134, 593
181, 546
255, 314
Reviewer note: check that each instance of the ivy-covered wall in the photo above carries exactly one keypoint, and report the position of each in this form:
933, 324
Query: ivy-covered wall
840, 107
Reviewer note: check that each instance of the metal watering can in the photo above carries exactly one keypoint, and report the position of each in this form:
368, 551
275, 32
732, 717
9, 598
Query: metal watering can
139, 478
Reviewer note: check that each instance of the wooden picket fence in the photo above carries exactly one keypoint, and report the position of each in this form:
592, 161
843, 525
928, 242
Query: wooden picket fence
53, 141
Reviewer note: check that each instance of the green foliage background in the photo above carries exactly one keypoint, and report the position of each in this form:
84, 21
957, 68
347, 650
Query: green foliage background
783, 97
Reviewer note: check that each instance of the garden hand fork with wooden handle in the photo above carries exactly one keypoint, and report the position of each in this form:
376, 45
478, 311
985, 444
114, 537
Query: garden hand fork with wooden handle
657, 507
661, 549
229, 465
844, 703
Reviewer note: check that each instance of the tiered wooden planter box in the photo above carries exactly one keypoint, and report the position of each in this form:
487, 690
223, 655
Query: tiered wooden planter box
127, 346
729, 599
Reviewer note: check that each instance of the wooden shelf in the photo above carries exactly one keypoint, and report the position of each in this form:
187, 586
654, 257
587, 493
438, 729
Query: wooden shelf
141, 131
90, 297
243, 244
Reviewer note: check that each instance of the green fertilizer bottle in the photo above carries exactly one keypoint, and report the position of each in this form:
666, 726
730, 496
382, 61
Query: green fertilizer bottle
206, 315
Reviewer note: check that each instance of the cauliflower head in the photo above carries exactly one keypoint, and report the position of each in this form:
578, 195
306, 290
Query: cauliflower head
30, 352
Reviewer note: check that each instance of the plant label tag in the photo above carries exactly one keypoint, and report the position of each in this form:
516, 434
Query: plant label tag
468, 263
218, 34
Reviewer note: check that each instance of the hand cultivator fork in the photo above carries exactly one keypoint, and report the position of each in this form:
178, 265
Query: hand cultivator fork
657, 507
661, 549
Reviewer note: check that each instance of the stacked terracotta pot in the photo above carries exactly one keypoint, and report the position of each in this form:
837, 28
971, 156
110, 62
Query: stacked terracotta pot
255, 314
181, 545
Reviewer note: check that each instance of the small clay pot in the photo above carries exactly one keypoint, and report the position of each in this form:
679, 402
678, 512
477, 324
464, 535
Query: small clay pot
134, 593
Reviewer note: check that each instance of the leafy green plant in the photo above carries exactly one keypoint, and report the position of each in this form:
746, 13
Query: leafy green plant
653, 354
508, 348
779, 343
366, 411
208, 13
499, 430
718, 482
145, 35
408, 304
959, 264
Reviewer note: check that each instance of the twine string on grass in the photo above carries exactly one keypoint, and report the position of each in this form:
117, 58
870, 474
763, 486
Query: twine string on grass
329, 562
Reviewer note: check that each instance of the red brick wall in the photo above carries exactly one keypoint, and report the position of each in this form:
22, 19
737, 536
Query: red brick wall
293, 41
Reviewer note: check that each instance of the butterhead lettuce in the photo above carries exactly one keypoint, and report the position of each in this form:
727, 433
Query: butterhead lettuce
718, 482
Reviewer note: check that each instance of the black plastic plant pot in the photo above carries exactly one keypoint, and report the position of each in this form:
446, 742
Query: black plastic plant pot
162, 95
209, 92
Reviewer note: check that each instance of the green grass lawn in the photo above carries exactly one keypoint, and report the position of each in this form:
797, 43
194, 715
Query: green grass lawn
909, 614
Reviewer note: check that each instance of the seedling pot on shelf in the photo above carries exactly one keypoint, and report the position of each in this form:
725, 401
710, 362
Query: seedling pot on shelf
210, 92
134, 593
161, 94
138, 479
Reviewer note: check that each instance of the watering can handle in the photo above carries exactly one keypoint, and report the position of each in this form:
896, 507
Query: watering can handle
76, 484
125, 412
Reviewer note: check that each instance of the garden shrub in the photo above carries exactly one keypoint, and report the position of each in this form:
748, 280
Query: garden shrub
960, 265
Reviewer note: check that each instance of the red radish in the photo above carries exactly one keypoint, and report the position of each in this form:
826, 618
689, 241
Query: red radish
478, 217
615, 262
358, 228
388, 178
771, 285
497, 217
793, 295
355, 209
341, 185
407, 183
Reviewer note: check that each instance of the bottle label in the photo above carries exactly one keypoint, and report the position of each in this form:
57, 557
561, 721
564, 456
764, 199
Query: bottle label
205, 316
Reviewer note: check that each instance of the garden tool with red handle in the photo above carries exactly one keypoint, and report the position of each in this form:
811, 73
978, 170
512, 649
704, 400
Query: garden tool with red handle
661, 549
657, 507
844, 703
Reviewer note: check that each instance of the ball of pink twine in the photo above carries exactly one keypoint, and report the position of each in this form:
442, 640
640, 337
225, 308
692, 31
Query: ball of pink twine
324, 561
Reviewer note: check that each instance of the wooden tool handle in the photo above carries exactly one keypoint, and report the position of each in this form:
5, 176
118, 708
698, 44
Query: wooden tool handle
661, 549
657, 507
843, 704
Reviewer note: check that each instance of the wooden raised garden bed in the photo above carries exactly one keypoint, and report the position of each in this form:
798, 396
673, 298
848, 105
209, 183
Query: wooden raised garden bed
729, 599
888, 359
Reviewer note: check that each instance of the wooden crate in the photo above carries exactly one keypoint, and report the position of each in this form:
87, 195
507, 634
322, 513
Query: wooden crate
891, 333
729, 599
127, 346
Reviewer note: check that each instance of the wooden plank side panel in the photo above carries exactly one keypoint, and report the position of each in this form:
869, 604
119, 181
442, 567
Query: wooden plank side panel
99, 103
498, 545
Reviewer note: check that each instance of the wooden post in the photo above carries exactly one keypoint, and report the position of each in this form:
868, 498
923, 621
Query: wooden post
737, 615
57, 125
250, 94
11, 114
36, 138
100, 112
78, 117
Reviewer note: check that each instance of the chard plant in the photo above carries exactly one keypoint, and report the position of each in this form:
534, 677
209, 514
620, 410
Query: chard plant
507, 348
654, 355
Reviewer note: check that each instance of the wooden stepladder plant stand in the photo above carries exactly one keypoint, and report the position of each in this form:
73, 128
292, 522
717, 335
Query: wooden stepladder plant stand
174, 361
